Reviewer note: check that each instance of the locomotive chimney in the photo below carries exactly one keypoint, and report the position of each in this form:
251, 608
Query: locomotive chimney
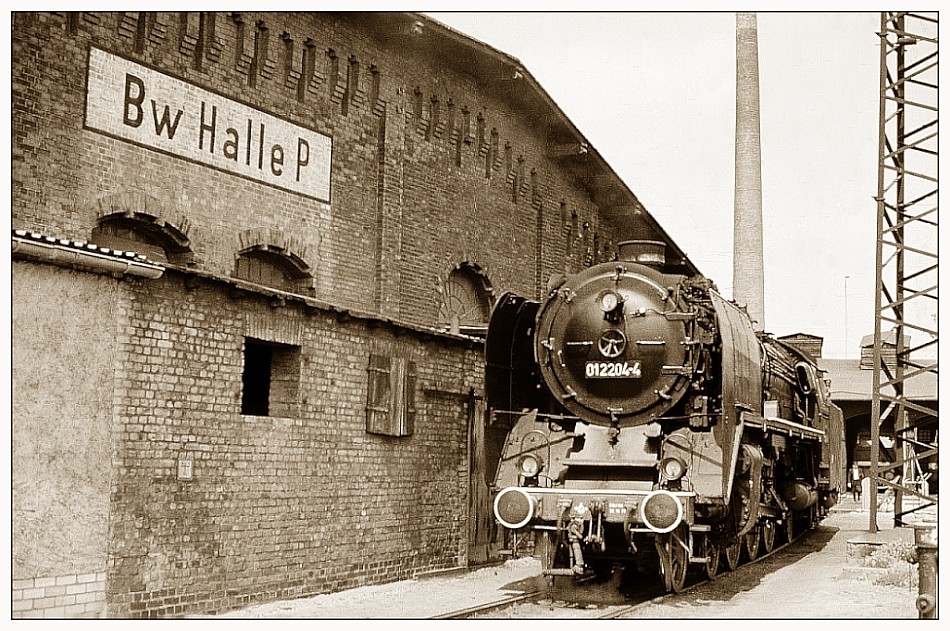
748, 276
651, 253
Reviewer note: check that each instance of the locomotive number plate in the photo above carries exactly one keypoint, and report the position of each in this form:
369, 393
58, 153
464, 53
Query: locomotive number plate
612, 370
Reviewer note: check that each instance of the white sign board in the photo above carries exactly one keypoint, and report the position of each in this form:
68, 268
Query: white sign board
132, 102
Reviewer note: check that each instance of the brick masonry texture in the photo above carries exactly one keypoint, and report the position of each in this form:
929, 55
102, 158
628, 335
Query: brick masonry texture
277, 507
71, 596
150, 371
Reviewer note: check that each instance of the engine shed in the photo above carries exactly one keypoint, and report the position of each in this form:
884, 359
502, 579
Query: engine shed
253, 254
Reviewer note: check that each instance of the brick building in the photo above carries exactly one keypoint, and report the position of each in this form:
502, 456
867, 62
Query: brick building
251, 256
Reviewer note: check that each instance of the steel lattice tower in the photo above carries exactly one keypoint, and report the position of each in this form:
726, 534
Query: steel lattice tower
907, 255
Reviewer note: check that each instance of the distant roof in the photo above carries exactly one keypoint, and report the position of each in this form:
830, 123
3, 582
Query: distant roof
792, 336
849, 382
888, 337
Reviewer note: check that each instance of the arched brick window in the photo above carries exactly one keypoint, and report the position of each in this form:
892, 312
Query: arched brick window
274, 267
466, 301
144, 234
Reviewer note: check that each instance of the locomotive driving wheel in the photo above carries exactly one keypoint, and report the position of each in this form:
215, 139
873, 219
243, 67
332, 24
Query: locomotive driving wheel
768, 536
732, 552
751, 540
674, 549
790, 526
711, 552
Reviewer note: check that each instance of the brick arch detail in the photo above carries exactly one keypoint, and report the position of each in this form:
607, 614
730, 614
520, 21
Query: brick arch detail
275, 243
147, 212
476, 273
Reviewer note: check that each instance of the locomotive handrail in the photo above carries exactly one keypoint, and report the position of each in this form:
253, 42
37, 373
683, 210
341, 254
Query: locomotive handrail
548, 443
780, 424
559, 417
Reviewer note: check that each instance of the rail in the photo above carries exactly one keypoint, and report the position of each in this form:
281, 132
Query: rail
611, 615
490, 606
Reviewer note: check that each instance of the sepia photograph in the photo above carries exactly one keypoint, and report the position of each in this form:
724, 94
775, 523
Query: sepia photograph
492, 313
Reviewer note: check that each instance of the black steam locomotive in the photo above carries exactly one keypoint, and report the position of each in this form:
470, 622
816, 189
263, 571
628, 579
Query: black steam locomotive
649, 426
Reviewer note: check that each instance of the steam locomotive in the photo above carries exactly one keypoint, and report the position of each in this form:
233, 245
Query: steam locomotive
649, 426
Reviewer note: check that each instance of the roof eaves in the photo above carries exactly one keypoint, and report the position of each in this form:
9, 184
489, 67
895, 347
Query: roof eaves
637, 208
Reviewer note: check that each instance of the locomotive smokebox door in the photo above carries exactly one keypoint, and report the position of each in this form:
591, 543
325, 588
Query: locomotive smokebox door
609, 336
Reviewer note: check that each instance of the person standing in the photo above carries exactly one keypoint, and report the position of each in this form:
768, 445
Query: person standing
856, 482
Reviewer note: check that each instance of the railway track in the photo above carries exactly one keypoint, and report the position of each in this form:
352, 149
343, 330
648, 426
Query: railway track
474, 612
619, 613
563, 606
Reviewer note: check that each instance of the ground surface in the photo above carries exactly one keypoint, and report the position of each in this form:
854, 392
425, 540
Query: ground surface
814, 579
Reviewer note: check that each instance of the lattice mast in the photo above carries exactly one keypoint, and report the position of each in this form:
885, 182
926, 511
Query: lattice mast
906, 258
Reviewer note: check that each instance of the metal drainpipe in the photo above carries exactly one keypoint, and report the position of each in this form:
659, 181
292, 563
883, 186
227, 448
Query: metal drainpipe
89, 260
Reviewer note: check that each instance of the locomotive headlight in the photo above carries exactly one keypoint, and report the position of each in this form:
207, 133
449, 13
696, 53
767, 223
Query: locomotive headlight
514, 507
530, 465
661, 511
609, 300
672, 468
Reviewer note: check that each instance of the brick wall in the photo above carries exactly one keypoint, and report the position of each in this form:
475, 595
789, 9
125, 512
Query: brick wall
69, 596
411, 197
276, 506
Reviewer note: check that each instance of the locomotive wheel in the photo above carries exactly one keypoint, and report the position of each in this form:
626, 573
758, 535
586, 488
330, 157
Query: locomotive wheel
768, 536
711, 552
790, 526
673, 550
751, 540
664, 552
680, 556
732, 552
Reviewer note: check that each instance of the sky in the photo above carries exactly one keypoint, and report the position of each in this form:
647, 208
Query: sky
654, 94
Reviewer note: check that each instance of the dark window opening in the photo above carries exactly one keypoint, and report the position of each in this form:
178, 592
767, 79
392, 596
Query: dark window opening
257, 366
270, 379
129, 240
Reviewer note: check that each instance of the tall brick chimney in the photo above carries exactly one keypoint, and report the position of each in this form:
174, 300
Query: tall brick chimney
748, 276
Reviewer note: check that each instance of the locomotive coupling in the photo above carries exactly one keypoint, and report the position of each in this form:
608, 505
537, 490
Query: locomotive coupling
659, 511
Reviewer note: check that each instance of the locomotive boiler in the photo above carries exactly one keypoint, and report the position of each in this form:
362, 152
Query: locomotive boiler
649, 426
